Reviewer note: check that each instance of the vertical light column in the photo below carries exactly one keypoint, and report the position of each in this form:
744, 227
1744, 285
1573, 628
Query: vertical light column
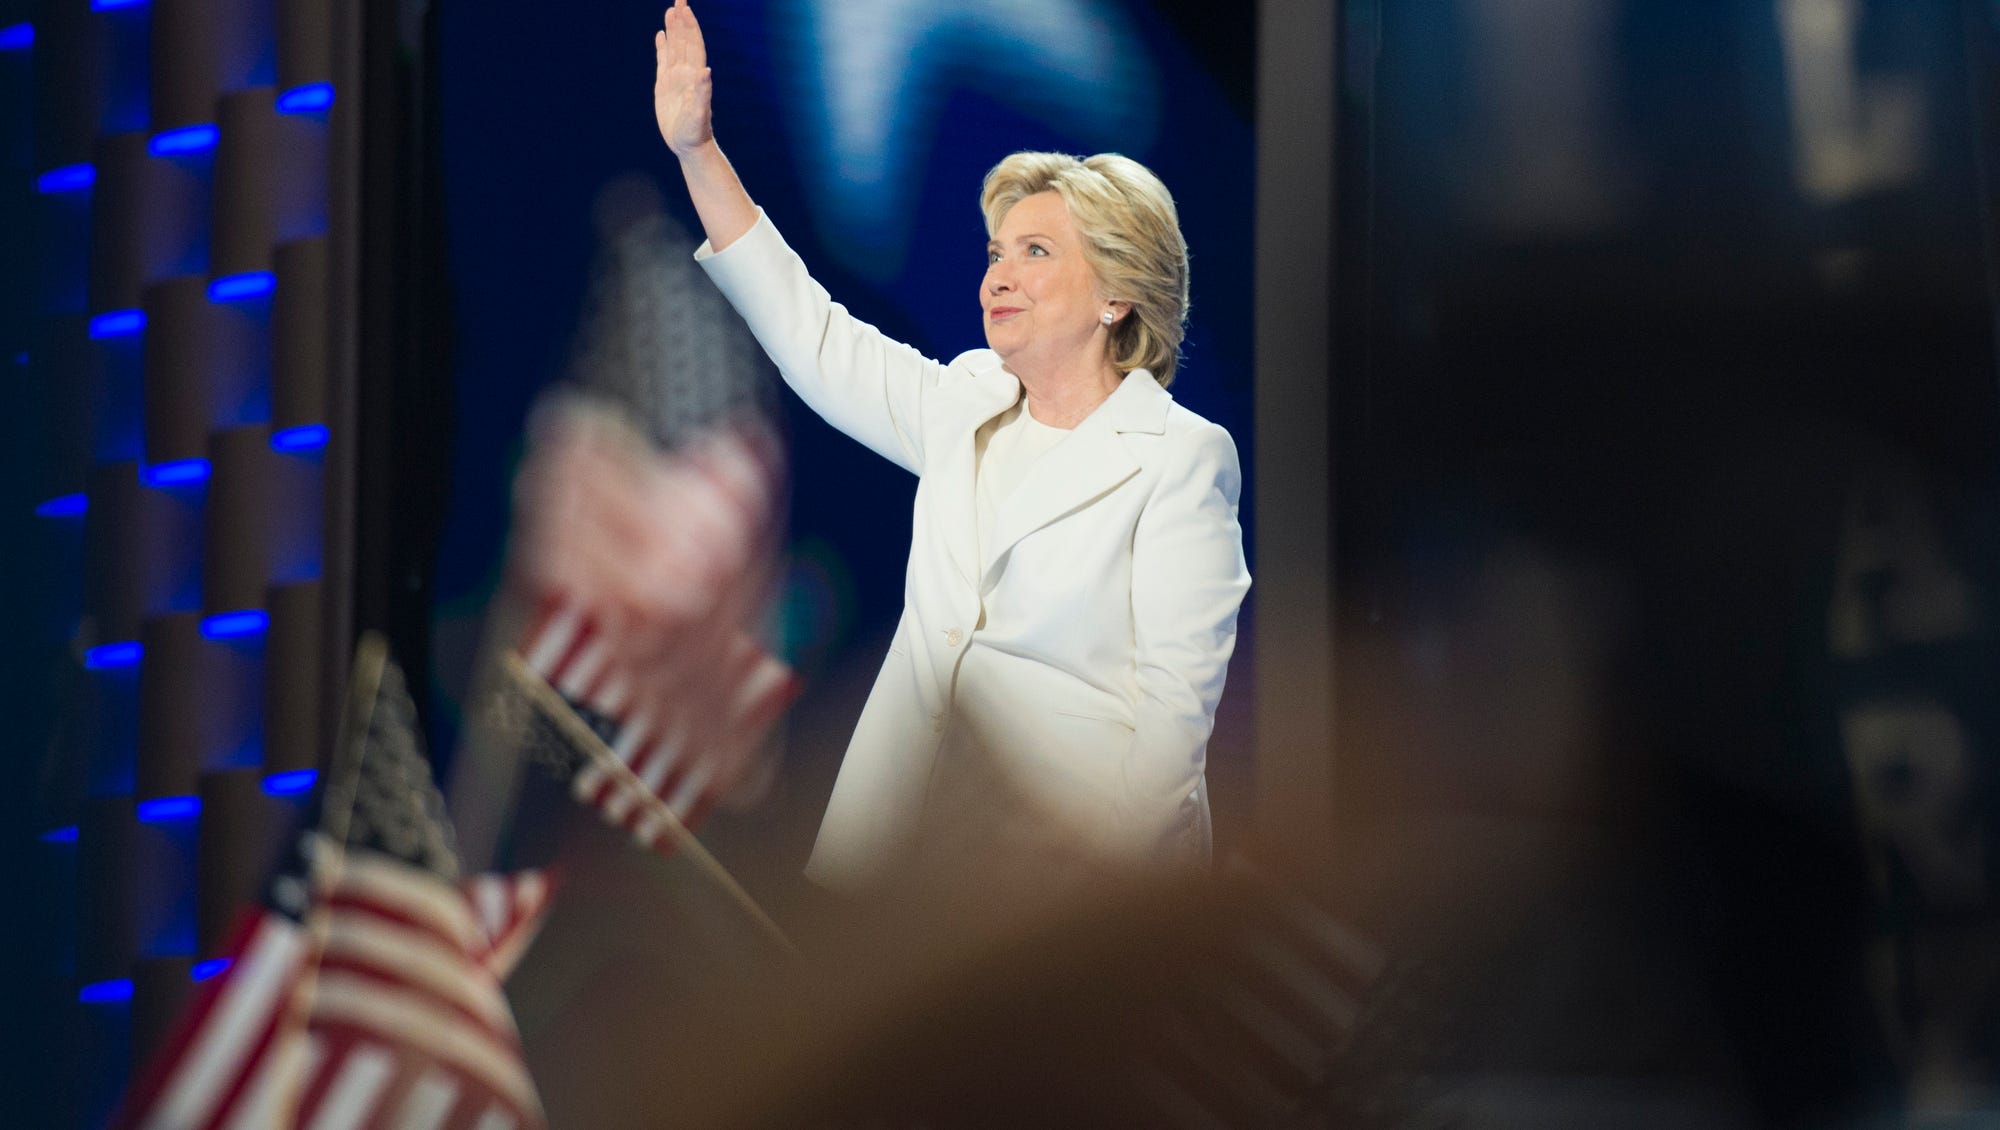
161, 986
71, 374
305, 49
243, 828
107, 950
299, 340
294, 711
205, 49
114, 600
1293, 669
170, 711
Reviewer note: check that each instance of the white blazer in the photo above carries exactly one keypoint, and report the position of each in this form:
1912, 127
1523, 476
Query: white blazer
1109, 593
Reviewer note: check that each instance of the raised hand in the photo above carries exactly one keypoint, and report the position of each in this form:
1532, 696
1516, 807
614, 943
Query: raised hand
681, 83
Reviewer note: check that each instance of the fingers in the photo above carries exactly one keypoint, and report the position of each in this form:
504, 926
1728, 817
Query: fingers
679, 32
684, 39
697, 46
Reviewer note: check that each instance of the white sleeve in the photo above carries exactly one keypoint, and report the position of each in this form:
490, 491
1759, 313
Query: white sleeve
1188, 580
856, 378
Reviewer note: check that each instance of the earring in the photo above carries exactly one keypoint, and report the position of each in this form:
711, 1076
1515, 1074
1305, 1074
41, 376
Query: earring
1109, 317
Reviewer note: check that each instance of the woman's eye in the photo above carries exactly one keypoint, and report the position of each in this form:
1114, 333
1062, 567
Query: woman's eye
1037, 249
992, 257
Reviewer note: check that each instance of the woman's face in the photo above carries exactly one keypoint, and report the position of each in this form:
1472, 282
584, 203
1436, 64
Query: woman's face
1040, 296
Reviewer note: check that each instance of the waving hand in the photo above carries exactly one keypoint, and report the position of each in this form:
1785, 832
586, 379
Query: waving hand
681, 83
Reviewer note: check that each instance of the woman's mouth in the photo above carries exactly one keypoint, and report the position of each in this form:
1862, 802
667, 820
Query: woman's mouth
1002, 313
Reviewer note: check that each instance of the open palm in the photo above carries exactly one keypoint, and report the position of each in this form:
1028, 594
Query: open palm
681, 84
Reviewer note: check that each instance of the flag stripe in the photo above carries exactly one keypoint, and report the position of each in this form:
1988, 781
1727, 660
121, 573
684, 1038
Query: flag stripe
704, 803
412, 1065
764, 693
552, 637
159, 1075
586, 784
390, 980
578, 640
355, 912
580, 674
635, 741
665, 754
513, 906
358, 1080
262, 1069
237, 1028
621, 802
264, 1100
615, 696
330, 1049
429, 1102
343, 1000
1330, 1004
497, 1120
392, 889
683, 800
490, 901
414, 1058
414, 959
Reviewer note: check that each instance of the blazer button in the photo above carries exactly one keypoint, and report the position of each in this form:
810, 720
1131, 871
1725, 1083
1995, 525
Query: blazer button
937, 721
953, 638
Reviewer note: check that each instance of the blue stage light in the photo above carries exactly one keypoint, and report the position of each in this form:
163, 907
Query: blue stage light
251, 284
187, 139
64, 506
63, 835
228, 625
300, 438
124, 653
178, 473
169, 808
305, 99
69, 178
291, 784
105, 5
203, 970
106, 992
18, 37
117, 323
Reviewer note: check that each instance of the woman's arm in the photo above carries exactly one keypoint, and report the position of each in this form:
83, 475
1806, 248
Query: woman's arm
1188, 580
682, 102
860, 381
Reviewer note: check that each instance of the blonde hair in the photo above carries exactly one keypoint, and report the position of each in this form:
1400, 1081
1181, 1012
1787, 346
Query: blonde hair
1131, 239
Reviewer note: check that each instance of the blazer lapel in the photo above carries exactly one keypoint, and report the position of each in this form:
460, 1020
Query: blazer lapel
1083, 467
990, 392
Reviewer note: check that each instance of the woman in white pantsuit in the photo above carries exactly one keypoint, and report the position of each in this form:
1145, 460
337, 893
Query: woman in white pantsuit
1075, 562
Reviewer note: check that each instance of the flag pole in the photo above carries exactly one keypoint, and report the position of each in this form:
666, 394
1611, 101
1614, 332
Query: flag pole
554, 707
371, 656
329, 859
